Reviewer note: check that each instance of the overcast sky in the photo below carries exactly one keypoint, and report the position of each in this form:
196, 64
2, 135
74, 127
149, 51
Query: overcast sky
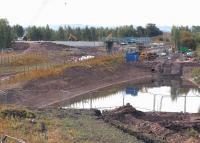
101, 12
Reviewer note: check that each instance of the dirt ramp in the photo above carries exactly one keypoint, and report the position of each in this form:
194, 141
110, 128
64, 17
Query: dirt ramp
155, 127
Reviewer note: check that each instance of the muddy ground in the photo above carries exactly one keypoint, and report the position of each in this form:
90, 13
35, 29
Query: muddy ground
154, 126
74, 82
55, 52
147, 127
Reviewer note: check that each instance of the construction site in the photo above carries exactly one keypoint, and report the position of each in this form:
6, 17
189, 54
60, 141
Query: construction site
99, 71
125, 80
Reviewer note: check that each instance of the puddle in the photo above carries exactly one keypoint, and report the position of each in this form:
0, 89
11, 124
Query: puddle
162, 95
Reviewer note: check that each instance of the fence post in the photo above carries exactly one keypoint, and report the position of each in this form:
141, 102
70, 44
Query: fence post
24, 69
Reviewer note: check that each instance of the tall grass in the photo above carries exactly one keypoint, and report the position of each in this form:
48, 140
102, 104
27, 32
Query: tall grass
14, 59
31, 132
111, 61
29, 59
35, 74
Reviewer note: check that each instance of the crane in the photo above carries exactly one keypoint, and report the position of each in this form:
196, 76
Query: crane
72, 37
109, 36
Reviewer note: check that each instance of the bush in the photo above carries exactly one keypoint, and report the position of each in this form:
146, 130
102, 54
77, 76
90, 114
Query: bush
11, 113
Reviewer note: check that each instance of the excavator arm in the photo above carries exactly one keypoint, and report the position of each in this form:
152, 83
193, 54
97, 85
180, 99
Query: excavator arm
72, 37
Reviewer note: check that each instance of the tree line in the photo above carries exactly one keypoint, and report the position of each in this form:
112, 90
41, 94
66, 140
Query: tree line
10, 33
91, 33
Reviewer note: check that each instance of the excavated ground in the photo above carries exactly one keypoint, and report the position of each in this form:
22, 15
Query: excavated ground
154, 126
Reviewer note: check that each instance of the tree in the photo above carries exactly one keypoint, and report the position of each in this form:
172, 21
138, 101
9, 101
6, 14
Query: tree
187, 39
176, 36
197, 37
6, 35
18, 30
32, 33
141, 32
195, 29
61, 34
47, 33
152, 30
89, 33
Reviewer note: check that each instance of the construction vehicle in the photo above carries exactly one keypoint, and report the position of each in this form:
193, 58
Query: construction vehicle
109, 43
147, 56
72, 37
109, 37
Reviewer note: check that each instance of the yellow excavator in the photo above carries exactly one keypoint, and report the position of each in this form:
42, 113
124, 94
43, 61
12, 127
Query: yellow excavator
72, 37
109, 36
147, 56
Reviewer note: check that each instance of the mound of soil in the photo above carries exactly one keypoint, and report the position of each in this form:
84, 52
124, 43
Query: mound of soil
84, 76
156, 127
20, 46
74, 82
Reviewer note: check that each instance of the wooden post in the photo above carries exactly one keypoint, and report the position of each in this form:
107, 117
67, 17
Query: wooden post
3, 139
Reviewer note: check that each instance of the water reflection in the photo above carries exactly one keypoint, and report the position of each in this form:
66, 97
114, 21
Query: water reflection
132, 91
163, 95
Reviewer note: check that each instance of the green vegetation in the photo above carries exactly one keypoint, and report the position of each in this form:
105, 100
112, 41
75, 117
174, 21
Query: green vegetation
198, 52
18, 30
12, 113
6, 35
86, 34
91, 33
183, 37
193, 132
62, 126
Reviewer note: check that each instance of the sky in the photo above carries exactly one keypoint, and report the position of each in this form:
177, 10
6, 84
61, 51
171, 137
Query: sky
101, 12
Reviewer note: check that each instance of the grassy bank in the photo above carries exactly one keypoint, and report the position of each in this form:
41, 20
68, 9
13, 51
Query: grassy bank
63, 126
110, 62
